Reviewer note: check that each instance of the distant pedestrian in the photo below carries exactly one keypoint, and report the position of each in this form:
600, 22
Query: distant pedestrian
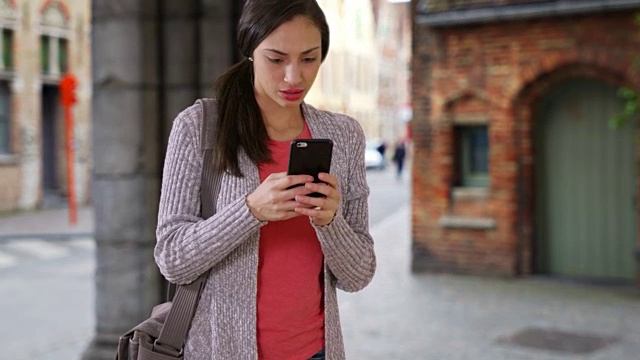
399, 154
382, 149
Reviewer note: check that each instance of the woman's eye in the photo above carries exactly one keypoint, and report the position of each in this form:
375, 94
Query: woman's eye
275, 61
309, 60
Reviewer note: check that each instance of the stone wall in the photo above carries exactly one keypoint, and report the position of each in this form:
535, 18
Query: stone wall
152, 59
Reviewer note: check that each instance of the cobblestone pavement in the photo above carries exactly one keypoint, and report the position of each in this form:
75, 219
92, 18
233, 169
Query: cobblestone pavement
401, 315
47, 307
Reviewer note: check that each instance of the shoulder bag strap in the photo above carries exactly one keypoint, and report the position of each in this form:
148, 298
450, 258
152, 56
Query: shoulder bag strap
174, 331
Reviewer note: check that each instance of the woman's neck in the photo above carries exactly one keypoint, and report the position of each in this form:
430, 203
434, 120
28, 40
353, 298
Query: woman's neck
283, 124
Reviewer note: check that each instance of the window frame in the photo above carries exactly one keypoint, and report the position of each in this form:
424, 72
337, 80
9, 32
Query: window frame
8, 36
5, 119
466, 177
45, 54
54, 54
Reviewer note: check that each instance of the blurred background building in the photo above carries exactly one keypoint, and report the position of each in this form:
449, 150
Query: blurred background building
348, 81
517, 170
393, 40
366, 74
41, 41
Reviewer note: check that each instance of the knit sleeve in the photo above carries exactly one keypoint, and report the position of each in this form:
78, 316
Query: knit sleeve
188, 245
346, 242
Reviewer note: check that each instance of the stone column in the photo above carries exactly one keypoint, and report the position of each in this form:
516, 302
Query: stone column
126, 170
147, 67
218, 49
181, 63
27, 88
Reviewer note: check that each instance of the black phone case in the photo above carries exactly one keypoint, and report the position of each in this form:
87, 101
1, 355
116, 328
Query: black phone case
310, 157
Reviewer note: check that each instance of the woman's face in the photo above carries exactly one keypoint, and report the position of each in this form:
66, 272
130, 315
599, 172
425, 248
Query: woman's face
286, 63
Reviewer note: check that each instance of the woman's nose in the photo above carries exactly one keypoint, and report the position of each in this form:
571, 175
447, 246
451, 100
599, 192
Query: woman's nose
292, 74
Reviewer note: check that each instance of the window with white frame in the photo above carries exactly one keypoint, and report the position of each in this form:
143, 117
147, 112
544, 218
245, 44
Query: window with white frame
54, 55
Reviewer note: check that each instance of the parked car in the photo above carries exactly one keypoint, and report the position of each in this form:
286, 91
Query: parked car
372, 157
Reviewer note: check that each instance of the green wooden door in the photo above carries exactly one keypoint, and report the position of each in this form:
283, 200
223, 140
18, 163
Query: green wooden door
585, 179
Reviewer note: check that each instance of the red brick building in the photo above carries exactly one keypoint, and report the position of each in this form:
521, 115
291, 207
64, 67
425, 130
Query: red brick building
516, 170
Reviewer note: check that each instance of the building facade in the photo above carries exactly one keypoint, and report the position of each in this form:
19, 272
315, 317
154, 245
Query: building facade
393, 38
40, 42
348, 81
516, 170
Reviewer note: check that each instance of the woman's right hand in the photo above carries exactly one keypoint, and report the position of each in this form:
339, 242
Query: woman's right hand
272, 201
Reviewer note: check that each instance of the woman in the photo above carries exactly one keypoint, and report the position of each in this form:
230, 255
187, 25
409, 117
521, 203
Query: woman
277, 255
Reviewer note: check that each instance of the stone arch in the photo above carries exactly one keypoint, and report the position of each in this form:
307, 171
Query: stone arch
536, 86
467, 100
55, 13
464, 95
598, 62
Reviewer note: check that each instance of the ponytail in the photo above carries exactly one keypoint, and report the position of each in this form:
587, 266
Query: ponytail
240, 124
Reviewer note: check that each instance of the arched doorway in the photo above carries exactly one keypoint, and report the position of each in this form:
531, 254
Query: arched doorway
585, 184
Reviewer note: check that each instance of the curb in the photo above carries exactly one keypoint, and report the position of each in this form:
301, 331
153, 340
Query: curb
47, 237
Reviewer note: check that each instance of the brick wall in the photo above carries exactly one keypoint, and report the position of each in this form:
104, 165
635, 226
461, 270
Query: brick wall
497, 71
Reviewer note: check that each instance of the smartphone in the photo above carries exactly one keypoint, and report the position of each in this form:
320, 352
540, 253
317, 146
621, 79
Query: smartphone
310, 157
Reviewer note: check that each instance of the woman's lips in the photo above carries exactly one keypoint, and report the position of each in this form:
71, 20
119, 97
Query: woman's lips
292, 94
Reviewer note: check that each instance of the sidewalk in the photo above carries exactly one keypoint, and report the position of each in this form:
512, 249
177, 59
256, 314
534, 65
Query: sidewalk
46, 223
401, 315
406, 316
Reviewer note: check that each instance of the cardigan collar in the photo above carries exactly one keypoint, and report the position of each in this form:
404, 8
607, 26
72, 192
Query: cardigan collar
314, 121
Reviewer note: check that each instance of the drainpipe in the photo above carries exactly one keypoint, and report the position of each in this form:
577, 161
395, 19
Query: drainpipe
162, 133
160, 71
198, 15
636, 254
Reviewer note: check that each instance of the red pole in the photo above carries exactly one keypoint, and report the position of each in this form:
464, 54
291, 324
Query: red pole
68, 85
71, 186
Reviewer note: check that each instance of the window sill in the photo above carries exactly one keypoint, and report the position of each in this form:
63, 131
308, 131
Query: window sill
7, 159
470, 193
464, 222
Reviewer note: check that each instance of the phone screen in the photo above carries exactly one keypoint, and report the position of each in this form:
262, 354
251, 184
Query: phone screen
310, 157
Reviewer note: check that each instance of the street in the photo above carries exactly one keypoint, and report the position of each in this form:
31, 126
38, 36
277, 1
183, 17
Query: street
47, 307
47, 310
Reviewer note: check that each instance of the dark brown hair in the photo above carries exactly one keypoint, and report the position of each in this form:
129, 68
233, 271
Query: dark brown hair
240, 123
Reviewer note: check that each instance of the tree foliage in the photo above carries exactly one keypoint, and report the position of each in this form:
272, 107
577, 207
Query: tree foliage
630, 110
631, 98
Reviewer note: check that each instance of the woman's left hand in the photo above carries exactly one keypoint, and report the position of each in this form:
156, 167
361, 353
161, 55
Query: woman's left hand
321, 210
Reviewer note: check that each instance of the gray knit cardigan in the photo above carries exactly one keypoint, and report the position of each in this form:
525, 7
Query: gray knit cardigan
224, 326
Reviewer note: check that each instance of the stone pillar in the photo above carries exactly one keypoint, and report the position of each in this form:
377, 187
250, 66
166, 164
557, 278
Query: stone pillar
181, 61
27, 88
217, 40
147, 67
126, 168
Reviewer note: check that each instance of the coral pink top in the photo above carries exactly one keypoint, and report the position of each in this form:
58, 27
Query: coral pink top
290, 306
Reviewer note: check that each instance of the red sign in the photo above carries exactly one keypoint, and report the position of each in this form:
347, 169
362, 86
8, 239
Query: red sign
68, 98
67, 86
